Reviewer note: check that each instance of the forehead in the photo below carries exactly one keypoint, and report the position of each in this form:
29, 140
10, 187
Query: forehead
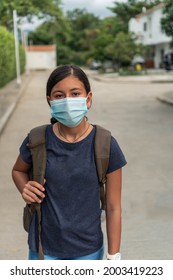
69, 82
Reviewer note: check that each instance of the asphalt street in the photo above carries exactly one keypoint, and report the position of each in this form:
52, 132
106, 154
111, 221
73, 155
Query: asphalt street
143, 127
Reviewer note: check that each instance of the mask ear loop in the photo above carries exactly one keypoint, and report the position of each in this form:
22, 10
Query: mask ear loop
90, 100
86, 118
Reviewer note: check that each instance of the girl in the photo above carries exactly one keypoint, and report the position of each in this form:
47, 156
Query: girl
70, 198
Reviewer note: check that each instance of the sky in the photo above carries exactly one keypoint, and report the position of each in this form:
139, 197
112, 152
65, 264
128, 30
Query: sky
97, 7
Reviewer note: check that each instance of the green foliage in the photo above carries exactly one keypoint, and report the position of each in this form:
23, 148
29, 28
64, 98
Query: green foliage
126, 10
41, 37
73, 35
29, 8
84, 27
54, 32
122, 49
7, 57
22, 58
100, 43
167, 20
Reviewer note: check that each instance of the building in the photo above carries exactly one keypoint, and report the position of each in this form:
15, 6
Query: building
147, 27
41, 57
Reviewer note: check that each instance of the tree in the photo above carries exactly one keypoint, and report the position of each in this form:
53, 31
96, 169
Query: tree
122, 49
84, 27
167, 20
29, 8
54, 32
101, 42
40, 37
74, 35
126, 10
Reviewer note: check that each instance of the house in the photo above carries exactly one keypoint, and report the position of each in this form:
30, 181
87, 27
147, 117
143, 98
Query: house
41, 57
147, 28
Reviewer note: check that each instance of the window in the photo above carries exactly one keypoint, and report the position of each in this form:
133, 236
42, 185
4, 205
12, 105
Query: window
145, 26
162, 54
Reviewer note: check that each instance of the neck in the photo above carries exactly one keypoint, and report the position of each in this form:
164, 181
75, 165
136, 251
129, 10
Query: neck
74, 131
72, 134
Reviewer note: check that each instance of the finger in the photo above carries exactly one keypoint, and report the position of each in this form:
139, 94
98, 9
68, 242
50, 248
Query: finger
31, 197
37, 192
28, 200
33, 192
34, 187
37, 185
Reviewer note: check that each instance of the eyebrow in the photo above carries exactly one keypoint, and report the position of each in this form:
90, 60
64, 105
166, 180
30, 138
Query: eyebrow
62, 91
76, 89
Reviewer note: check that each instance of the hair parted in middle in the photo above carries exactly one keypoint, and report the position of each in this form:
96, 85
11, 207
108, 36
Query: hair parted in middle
62, 72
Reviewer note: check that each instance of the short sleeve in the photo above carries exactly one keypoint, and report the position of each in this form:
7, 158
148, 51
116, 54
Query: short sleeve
25, 151
117, 159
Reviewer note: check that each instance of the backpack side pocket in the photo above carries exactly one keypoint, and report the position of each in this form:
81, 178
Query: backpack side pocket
28, 212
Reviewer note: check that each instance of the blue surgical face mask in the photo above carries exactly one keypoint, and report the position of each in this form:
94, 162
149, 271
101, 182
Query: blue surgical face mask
69, 111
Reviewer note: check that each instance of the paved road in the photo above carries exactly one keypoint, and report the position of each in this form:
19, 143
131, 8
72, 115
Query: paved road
142, 126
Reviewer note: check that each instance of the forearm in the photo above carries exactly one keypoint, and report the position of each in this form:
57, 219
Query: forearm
20, 179
31, 191
113, 211
113, 225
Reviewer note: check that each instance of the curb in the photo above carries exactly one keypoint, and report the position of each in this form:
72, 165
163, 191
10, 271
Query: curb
130, 80
4, 119
165, 100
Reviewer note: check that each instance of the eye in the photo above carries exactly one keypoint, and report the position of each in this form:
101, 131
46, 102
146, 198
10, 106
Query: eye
75, 94
58, 95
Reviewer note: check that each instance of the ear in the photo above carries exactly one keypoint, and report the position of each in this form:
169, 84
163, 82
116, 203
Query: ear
48, 100
89, 100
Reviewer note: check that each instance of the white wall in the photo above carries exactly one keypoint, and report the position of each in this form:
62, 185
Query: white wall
41, 60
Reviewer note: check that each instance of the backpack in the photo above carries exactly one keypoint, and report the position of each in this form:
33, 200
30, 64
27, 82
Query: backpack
37, 146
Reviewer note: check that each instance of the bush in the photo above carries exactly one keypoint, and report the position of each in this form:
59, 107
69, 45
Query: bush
7, 57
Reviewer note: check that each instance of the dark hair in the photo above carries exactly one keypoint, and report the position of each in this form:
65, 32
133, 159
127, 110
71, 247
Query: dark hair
64, 71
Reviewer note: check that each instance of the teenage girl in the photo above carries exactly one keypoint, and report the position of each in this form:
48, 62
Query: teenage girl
70, 204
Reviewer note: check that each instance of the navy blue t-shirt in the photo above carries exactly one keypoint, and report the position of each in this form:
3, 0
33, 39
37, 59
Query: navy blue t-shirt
71, 225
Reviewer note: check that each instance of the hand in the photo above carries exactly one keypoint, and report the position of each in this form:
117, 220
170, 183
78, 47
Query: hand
33, 192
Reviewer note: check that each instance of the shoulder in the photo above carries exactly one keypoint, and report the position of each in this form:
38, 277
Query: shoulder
117, 159
115, 146
39, 133
102, 130
102, 135
114, 143
41, 129
32, 138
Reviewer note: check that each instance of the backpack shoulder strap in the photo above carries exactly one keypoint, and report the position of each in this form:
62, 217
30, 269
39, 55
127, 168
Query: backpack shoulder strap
102, 151
37, 145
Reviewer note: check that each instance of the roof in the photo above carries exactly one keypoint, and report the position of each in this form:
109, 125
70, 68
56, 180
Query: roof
41, 48
149, 11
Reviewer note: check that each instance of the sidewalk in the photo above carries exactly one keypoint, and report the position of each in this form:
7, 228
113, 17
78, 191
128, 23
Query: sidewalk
9, 97
11, 93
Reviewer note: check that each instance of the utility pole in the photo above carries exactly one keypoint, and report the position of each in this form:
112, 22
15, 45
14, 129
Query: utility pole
24, 40
16, 48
